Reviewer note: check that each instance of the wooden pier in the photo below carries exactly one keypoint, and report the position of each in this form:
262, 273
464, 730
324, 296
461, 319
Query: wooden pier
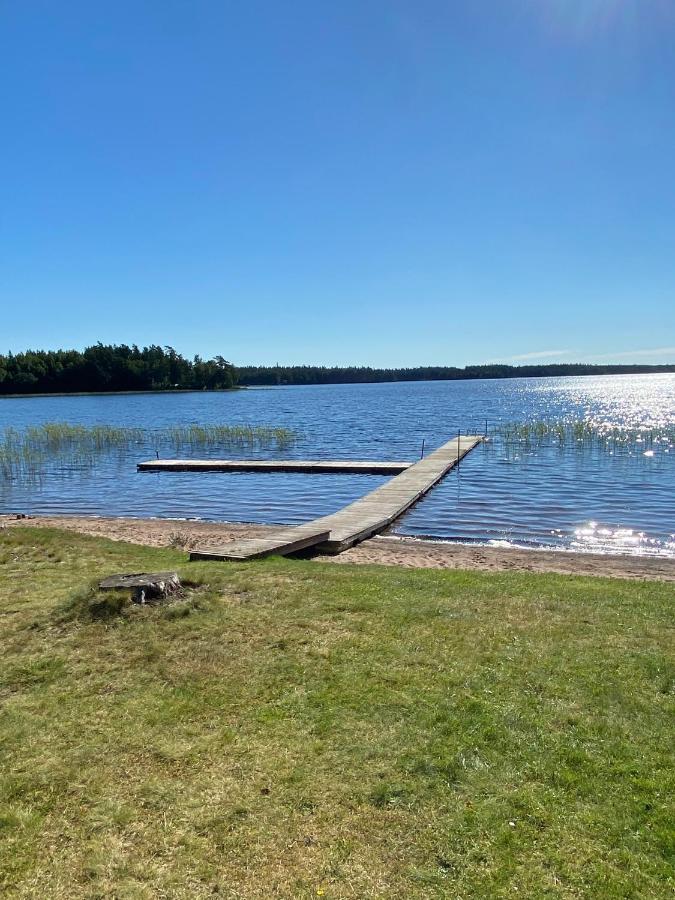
307, 466
288, 539
359, 520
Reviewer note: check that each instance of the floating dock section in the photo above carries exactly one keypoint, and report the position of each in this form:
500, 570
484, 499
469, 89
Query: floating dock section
365, 517
306, 466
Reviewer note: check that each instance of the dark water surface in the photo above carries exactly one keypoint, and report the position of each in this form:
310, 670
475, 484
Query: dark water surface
618, 500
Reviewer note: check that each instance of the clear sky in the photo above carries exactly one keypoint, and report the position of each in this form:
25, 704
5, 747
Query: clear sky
386, 182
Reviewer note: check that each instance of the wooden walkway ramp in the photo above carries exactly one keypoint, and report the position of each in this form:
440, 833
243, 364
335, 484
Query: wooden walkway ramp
309, 466
288, 539
365, 517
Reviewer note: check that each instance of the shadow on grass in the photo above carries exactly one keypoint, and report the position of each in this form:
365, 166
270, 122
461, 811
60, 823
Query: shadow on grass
90, 604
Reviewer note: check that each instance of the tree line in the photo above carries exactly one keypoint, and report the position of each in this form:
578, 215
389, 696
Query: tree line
108, 367
119, 367
271, 375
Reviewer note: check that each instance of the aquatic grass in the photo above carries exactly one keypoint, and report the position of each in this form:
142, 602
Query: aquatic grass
29, 453
261, 436
32, 452
54, 436
584, 433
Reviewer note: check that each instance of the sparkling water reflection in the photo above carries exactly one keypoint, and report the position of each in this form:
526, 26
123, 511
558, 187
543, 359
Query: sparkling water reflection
612, 498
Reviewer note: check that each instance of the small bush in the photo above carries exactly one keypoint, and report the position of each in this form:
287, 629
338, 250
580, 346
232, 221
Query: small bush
179, 540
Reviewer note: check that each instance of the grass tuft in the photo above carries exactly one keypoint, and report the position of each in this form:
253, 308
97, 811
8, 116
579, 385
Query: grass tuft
87, 603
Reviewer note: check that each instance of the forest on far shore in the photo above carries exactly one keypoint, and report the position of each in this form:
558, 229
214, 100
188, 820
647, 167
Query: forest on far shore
267, 375
111, 368
119, 367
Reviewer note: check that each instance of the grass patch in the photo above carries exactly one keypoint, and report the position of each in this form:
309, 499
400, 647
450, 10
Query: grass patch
295, 729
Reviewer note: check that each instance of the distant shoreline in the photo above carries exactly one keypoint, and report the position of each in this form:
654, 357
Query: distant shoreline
241, 387
623, 370
270, 376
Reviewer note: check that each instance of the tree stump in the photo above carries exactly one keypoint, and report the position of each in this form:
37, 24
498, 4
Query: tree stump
144, 586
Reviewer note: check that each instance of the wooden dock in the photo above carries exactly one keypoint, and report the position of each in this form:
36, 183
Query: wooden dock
307, 466
359, 520
288, 539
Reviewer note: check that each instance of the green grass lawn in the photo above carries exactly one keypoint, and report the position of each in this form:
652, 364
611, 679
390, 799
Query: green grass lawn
295, 729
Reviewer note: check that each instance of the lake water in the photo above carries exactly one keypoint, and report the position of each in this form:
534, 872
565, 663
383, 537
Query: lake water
619, 499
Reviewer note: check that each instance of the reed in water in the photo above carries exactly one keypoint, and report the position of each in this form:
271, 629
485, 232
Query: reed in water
583, 433
31, 452
264, 436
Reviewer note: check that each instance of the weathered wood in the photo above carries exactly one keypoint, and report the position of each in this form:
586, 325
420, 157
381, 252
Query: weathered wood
359, 520
309, 466
144, 585
286, 540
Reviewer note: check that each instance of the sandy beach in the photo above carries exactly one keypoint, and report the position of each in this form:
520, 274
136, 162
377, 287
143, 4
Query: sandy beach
385, 550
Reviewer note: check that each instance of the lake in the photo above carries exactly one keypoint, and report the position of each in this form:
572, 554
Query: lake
618, 498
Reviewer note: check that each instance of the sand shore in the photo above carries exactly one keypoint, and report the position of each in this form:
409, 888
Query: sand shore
384, 550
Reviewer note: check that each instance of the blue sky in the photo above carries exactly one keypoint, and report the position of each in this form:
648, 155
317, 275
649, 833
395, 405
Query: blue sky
377, 182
